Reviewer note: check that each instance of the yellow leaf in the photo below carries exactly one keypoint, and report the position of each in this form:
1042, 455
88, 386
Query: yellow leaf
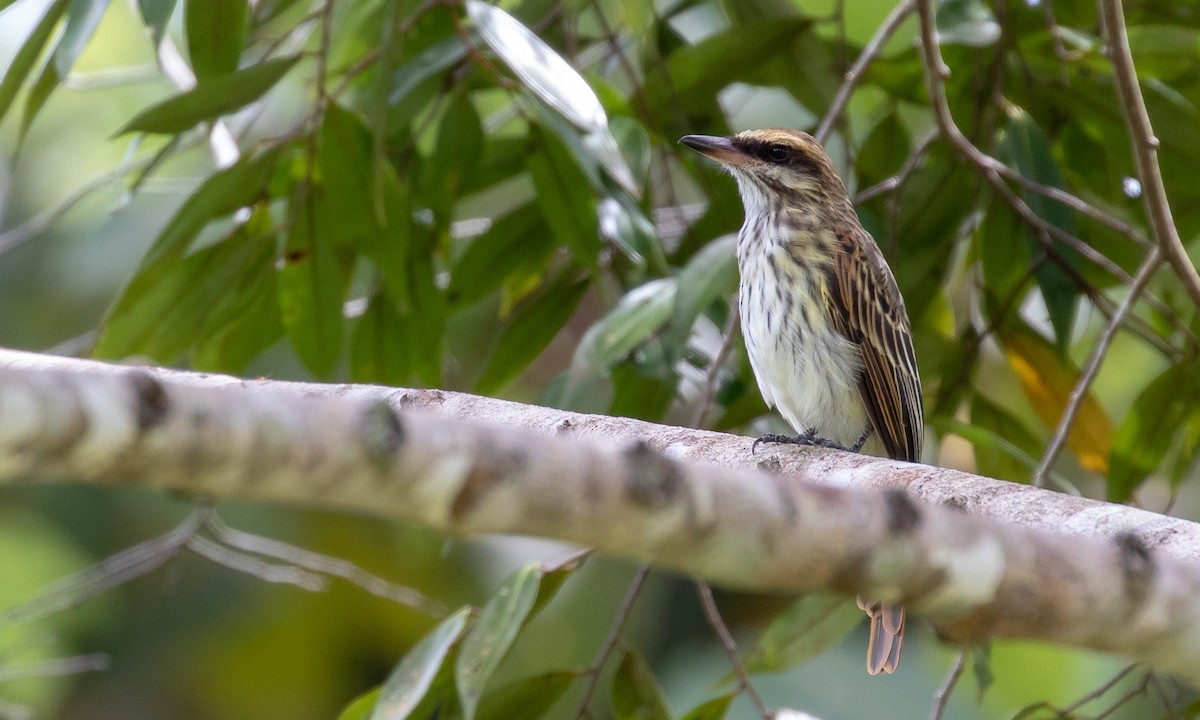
1048, 385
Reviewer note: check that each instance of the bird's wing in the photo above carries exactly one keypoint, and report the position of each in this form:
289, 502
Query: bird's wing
867, 309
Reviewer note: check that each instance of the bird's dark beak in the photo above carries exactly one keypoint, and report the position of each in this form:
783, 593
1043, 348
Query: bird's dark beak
720, 149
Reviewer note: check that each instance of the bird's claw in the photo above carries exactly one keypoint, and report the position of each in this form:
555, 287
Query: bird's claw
808, 437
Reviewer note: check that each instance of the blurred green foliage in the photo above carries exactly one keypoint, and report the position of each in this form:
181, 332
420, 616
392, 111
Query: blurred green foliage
491, 198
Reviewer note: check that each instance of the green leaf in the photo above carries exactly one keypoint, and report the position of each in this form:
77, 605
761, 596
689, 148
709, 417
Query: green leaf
635, 692
426, 312
534, 324
345, 165
1150, 428
638, 315
156, 14
694, 74
808, 628
565, 198
168, 308
455, 158
312, 288
981, 666
967, 22
624, 224
389, 247
555, 82
379, 346
211, 98
23, 62
224, 192
492, 635
83, 17
517, 240
553, 577
361, 707
415, 675
713, 709
244, 328
1003, 258
645, 388
1030, 152
47, 82
884, 151
1005, 447
527, 699
709, 275
216, 32
125, 328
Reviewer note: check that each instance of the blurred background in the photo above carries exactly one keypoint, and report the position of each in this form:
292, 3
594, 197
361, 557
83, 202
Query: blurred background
420, 194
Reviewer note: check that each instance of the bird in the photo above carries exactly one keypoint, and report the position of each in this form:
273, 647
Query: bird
824, 323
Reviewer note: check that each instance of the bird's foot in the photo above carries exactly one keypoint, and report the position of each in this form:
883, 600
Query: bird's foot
811, 438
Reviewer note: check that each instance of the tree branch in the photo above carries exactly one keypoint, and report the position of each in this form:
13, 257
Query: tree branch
694, 501
1145, 149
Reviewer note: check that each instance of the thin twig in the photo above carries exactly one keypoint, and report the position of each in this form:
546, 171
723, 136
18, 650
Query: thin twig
709, 389
74, 665
718, 625
1079, 392
992, 169
318, 563
865, 58
941, 697
1145, 149
610, 642
1109, 685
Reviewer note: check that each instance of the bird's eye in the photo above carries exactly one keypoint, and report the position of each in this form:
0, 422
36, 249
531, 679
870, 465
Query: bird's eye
778, 153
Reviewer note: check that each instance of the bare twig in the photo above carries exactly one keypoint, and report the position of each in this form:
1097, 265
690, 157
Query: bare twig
865, 58
718, 625
1079, 392
1145, 149
995, 171
610, 642
1100, 691
709, 389
941, 697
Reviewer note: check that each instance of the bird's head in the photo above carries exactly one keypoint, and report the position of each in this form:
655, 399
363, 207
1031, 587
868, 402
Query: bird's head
775, 166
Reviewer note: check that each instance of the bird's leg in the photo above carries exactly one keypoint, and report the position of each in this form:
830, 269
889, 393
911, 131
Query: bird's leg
811, 438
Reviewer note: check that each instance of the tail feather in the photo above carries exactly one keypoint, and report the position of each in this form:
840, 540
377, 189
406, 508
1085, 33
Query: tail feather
887, 636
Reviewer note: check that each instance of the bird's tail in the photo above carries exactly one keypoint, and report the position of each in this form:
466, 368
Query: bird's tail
887, 636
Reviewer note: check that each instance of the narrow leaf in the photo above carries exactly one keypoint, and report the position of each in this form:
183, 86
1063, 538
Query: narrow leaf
1150, 429
527, 699
533, 326
1031, 153
1048, 382
312, 289
156, 14
169, 307
83, 17
379, 347
413, 677
216, 32
812, 625
565, 198
636, 694
639, 314
516, 240
27, 56
361, 707
554, 81
492, 635
709, 275
713, 709
210, 99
